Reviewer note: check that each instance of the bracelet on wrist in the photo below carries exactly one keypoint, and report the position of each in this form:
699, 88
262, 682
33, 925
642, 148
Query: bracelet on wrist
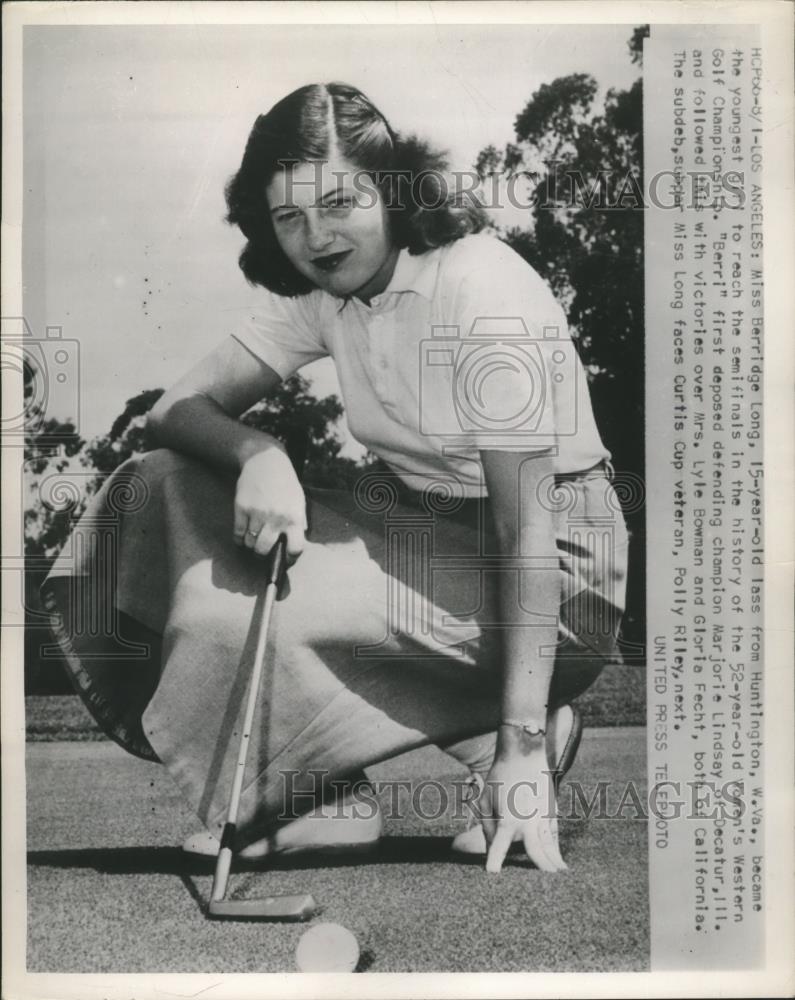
530, 728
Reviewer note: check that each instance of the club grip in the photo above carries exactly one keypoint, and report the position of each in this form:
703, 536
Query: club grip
277, 561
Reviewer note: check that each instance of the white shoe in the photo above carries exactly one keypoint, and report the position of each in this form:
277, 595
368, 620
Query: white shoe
351, 826
564, 731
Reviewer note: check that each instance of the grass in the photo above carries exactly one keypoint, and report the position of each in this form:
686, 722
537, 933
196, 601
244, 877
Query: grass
618, 698
109, 891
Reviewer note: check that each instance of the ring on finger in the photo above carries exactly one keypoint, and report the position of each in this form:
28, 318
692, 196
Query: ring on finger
254, 533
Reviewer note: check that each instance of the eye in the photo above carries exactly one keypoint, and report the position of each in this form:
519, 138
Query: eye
288, 216
340, 204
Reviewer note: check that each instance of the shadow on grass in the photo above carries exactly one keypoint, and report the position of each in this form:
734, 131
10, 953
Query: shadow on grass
174, 861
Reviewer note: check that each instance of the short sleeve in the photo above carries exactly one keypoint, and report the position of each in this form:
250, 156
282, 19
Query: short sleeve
285, 333
510, 350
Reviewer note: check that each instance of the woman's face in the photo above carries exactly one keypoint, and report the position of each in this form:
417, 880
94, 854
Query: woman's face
331, 222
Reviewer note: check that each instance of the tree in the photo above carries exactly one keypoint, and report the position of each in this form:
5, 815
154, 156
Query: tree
587, 240
127, 437
585, 237
307, 427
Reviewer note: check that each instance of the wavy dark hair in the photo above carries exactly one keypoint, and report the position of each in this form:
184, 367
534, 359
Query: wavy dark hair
306, 126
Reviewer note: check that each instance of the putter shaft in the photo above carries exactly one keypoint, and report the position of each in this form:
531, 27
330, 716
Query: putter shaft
298, 907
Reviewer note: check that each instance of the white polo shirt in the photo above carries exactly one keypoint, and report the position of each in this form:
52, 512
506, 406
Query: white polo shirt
466, 349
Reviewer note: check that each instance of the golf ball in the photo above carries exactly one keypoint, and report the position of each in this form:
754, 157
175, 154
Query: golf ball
327, 948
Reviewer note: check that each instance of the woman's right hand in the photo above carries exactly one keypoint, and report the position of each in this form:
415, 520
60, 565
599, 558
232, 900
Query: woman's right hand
269, 500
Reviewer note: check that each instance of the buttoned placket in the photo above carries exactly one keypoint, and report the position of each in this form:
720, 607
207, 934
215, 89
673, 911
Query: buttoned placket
377, 325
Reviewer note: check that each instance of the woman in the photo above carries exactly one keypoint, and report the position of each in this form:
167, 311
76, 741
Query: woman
457, 370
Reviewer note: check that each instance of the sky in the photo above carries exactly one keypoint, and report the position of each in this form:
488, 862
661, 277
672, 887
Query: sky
130, 134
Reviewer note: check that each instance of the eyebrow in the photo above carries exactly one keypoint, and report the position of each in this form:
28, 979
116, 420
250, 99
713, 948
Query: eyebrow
328, 194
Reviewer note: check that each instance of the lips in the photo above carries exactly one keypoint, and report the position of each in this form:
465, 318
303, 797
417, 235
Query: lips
330, 262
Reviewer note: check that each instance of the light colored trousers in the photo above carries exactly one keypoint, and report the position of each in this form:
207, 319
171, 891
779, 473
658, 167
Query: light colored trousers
388, 640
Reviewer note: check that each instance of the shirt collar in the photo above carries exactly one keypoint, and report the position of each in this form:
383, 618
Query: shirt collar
413, 273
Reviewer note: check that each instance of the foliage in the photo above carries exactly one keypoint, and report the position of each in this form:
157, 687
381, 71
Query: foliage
50, 446
304, 424
127, 437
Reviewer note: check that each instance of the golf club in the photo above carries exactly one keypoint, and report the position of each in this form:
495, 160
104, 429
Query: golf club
298, 907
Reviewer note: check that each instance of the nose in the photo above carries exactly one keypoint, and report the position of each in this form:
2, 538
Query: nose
318, 235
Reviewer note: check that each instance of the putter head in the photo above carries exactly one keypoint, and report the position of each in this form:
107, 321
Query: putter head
296, 908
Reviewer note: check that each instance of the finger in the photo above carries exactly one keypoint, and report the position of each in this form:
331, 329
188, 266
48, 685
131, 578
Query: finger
498, 848
549, 833
549, 841
541, 848
265, 540
295, 542
253, 532
534, 849
240, 525
473, 793
483, 808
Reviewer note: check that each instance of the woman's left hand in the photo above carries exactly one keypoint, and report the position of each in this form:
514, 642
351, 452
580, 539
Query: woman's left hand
518, 803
